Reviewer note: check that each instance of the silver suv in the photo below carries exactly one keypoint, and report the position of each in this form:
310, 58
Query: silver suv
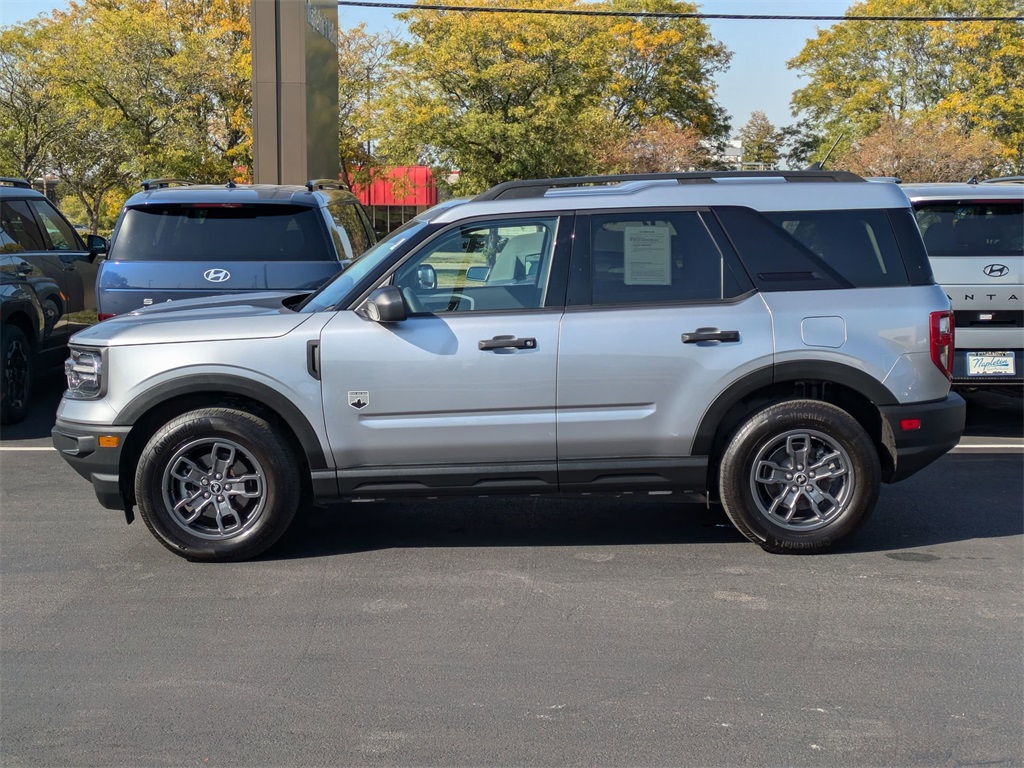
974, 234
775, 340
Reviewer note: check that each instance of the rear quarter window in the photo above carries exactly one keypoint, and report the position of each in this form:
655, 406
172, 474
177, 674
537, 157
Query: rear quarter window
972, 228
232, 232
857, 244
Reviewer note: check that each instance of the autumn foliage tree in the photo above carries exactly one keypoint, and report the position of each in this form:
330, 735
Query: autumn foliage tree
862, 74
922, 150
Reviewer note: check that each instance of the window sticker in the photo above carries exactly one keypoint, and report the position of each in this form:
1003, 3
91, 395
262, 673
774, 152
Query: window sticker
647, 255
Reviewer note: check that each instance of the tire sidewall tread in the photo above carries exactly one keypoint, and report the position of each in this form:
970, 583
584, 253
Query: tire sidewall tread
737, 461
260, 438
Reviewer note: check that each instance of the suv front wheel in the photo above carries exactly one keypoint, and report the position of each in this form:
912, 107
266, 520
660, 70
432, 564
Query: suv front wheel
217, 484
799, 476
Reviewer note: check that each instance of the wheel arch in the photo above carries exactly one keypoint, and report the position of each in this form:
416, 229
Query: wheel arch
21, 320
853, 390
148, 412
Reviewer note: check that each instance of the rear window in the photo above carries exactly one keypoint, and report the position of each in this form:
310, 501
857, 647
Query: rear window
233, 232
859, 245
972, 228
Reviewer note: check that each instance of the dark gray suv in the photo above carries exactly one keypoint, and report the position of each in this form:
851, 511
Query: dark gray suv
48, 277
177, 240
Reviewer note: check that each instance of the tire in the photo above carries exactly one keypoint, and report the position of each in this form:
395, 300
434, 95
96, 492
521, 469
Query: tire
16, 374
784, 503
185, 497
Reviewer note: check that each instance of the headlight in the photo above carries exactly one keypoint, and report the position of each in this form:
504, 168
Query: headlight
84, 370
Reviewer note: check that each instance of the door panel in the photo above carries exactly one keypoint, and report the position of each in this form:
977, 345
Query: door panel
397, 393
629, 387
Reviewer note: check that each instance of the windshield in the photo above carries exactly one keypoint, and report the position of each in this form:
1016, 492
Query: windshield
332, 293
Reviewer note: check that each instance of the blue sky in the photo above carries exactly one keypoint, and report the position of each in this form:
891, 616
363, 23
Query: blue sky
757, 78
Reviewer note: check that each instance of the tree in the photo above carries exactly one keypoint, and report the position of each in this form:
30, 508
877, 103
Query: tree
660, 146
508, 96
364, 69
921, 151
30, 121
861, 73
762, 142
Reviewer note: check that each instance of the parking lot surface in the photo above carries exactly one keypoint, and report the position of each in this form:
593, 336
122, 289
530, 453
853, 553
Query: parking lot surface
509, 631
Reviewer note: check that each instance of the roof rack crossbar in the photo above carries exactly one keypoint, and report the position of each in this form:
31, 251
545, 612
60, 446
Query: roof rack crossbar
149, 184
10, 181
539, 187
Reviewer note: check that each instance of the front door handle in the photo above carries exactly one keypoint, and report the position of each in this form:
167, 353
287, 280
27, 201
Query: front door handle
507, 342
710, 334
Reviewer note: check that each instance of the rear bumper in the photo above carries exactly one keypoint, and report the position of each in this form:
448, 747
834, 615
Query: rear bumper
940, 425
79, 446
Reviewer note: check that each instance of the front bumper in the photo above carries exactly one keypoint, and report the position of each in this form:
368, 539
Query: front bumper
940, 425
80, 446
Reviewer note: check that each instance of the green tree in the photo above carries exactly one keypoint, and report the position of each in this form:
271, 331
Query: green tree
364, 70
30, 120
861, 73
762, 141
507, 96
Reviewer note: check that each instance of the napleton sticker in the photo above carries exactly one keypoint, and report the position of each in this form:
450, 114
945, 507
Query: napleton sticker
359, 400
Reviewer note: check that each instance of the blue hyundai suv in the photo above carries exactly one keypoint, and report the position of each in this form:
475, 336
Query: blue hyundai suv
178, 240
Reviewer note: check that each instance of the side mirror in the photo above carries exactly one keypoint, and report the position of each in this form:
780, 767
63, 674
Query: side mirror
477, 274
385, 305
96, 245
426, 277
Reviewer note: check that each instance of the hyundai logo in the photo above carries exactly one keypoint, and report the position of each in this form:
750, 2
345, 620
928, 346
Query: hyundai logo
997, 270
220, 275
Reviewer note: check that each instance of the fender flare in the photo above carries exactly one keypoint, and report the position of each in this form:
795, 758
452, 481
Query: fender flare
818, 370
232, 385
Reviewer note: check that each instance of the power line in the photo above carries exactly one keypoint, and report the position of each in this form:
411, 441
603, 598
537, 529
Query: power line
664, 14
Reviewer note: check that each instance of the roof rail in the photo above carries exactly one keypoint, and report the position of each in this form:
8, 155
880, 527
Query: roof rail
149, 184
1005, 180
326, 184
8, 181
539, 187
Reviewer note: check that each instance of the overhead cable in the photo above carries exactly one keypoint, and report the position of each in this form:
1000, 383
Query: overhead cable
664, 14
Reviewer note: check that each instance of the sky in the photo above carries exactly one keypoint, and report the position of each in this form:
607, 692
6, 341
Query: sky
757, 78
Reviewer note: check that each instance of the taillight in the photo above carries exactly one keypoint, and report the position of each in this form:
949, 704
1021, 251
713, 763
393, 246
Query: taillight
940, 339
106, 315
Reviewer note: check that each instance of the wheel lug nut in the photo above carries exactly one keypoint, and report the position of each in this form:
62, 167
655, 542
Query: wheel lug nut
217, 476
205, 481
220, 498
796, 487
788, 476
227, 487
808, 487
206, 495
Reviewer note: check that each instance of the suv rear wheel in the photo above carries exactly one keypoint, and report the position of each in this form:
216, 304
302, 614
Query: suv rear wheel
217, 484
799, 476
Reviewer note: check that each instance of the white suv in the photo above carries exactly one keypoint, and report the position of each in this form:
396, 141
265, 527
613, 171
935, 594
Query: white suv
974, 234
774, 340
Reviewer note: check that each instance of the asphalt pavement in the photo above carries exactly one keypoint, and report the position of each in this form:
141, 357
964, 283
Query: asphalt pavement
507, 632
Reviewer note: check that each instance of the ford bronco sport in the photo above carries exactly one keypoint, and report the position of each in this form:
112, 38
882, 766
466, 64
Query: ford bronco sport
775, 340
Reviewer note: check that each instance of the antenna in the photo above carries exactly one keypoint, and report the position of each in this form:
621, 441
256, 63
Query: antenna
820, 166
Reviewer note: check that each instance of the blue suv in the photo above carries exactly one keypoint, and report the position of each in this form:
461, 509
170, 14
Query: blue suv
178, 240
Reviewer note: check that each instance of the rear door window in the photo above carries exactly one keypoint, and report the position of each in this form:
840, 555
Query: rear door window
18, 228
224, 232
972, 228
348, 224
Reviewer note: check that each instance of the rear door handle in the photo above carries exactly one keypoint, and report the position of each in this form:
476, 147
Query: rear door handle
507, 342
710, 334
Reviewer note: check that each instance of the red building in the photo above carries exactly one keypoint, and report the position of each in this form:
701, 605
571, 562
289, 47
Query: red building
398, 196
